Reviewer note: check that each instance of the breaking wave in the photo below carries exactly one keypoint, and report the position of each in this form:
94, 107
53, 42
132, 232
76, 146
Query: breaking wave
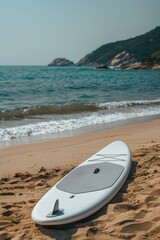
22, 113
110, 105
72, 123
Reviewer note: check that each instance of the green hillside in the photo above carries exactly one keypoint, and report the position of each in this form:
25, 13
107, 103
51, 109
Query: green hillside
152, 59
142, 48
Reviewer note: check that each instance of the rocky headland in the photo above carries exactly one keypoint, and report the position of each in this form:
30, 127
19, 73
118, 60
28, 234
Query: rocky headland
123, 60
141, 52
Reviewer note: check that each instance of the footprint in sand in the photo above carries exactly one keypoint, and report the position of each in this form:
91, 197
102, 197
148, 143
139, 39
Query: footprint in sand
153, 204
125, 222
150, 198
5, 235
156, 193
7, 194
154, 232
92, 231
152, 201
156, 219
123, 208
7, 213
8, 206
135, 227
141, 214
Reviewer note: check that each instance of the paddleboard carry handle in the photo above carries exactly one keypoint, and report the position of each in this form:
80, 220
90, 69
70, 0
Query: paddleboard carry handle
97, 170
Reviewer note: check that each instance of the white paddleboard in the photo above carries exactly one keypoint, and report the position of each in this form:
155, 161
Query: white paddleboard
87, 188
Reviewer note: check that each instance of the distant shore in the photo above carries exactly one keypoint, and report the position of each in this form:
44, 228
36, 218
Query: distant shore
63, 62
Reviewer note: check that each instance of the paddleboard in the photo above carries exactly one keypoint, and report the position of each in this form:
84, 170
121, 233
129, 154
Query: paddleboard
87, 188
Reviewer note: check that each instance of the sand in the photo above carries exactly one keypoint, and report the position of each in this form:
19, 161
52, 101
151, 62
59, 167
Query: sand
28, 171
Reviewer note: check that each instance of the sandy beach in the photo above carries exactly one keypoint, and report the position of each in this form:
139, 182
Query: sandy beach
29, 171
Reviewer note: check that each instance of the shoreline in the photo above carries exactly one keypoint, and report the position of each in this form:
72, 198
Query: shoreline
75, 149
76, 132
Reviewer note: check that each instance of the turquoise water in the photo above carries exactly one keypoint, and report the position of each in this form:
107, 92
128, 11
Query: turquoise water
47, 100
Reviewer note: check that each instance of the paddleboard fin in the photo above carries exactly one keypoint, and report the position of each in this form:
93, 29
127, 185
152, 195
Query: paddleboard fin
56, 207
56, 210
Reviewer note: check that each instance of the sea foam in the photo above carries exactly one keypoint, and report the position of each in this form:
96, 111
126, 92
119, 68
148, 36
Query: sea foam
72, 123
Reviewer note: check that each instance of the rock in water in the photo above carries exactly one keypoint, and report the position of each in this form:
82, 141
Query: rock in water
61, 62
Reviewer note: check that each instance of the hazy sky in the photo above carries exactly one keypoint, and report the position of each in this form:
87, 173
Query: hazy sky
34, 32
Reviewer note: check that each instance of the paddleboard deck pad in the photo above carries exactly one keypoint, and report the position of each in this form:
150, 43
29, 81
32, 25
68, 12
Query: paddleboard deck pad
87, 188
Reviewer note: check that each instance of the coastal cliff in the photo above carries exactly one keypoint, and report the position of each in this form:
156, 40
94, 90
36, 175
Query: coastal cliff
141, 52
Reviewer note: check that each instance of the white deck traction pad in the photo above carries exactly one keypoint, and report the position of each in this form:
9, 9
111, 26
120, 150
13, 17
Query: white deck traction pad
83, 179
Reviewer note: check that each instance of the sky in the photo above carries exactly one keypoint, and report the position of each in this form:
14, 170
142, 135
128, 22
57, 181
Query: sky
34, 32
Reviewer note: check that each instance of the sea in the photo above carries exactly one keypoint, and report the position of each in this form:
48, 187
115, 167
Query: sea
41, 102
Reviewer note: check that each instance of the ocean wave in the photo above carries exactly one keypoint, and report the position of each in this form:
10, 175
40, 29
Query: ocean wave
27, 112
69, 124
22, 113
110, 105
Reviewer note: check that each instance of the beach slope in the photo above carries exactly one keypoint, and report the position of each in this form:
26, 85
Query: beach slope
29, 171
